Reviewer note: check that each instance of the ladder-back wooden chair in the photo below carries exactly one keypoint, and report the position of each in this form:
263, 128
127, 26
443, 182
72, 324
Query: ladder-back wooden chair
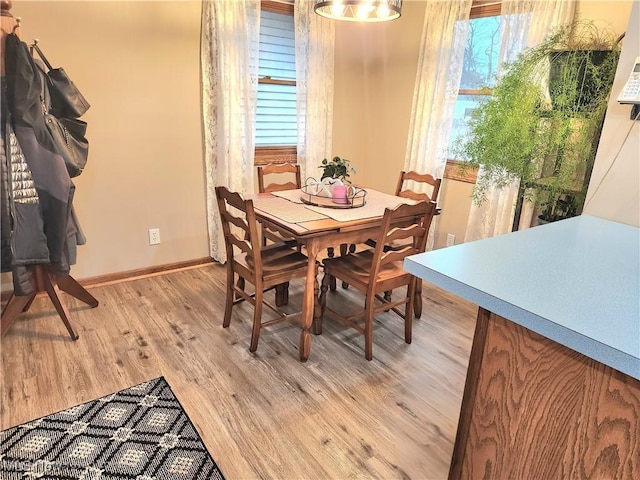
288, 176
374, 272
278, 169
412, 185
405, 188
265, 267
408, 183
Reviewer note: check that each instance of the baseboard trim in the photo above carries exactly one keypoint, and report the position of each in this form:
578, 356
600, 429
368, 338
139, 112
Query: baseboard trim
129, 275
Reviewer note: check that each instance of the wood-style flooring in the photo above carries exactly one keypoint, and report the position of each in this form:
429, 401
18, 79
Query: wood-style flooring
263, 415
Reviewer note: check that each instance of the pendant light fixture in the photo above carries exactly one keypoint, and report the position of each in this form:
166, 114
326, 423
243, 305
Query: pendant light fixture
359, 10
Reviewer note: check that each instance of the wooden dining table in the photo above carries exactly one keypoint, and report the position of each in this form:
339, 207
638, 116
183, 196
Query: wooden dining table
318, 227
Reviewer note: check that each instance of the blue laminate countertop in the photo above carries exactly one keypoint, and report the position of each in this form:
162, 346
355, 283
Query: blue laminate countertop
576, 282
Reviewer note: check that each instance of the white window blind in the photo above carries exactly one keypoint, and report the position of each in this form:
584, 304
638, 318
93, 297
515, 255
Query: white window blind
276, 120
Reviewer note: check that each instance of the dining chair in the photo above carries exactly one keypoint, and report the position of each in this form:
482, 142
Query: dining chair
408, 183
404, 189
265, 267
379, 270
278, 169
288, 176
413, 185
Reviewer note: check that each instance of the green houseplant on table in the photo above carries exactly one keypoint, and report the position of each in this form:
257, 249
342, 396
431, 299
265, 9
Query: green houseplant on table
336, 168
542, 124
335, 174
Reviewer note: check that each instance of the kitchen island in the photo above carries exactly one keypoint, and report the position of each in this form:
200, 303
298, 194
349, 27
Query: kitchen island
553, 384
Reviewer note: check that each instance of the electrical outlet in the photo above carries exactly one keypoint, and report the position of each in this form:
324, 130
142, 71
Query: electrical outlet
451, 239
154, 236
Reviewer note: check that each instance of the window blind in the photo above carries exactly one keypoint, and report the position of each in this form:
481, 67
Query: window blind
276, 119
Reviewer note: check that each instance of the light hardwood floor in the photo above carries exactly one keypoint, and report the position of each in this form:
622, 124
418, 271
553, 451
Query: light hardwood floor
263, 415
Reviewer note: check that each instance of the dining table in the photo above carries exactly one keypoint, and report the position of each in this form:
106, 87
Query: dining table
320, 225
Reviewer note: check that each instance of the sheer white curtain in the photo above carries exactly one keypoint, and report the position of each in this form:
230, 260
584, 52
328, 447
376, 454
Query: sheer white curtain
315, 38
444, 36
523, 24
229, 68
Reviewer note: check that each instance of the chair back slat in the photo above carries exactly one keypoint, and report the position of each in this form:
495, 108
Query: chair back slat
397, 255
400, 233
278, 187
412, 184
242, 244
279, 168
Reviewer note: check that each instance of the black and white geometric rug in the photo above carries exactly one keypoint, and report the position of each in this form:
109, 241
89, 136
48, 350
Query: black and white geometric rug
141, 433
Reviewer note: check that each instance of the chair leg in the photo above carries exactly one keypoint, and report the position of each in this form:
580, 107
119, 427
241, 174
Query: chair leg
344, 250
417, 300
257, 319
368, 328
408, 314
326, 280
317, 315
282, 294
228, 305
240, 285
332, 284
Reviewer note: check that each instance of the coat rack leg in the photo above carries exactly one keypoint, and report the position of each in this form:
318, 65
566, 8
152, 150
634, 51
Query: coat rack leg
69, 285
46, 283
14, 307
54, 294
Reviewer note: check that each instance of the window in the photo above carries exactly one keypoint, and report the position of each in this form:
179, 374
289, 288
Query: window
479, 68
276, 111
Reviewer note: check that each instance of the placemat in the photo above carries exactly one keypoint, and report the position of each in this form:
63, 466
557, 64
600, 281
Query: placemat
288, 211
291, 195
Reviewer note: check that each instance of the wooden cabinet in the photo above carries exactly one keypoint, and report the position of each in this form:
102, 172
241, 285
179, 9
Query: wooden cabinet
553, 386
533, 408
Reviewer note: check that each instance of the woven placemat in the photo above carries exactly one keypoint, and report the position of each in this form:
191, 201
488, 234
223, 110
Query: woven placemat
291, 195
288, 211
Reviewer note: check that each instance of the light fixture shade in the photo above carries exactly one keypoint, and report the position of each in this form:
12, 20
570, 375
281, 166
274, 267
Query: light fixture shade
359, 10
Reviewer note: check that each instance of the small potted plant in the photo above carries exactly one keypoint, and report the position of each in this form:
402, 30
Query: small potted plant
335, 172
336, 169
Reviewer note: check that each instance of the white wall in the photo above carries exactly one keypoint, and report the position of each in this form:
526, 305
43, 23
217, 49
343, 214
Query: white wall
614, 190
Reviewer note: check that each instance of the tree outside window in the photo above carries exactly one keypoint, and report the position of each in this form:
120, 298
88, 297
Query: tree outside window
479, 68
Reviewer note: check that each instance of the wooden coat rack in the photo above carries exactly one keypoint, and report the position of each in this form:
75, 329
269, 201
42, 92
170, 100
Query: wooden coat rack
43, 278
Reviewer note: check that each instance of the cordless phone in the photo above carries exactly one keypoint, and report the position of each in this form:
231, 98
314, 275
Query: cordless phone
631, 91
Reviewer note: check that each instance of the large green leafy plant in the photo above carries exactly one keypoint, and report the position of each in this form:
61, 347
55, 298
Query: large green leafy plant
542, 124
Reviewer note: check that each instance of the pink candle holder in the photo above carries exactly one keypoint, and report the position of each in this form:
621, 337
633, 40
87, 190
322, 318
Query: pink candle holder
339, 193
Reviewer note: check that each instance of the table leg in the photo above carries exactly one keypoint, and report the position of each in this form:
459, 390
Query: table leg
309, 300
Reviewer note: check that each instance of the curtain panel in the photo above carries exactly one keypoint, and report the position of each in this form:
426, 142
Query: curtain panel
444, 36
315, 38
229, 70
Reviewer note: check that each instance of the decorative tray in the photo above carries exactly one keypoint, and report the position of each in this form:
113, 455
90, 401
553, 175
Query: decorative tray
321, 197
